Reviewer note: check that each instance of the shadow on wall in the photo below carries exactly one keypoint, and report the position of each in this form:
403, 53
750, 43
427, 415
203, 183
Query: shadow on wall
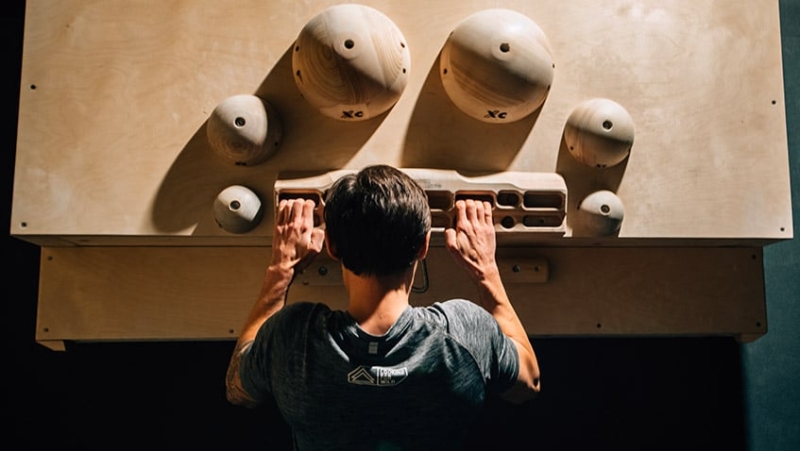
462, 143
198, 174
582, 181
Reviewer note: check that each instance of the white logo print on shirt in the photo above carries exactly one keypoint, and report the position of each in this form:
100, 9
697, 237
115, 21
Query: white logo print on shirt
377, 376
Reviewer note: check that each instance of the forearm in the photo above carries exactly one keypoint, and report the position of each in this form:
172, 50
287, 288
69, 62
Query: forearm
234, 391
271, 300
494, 299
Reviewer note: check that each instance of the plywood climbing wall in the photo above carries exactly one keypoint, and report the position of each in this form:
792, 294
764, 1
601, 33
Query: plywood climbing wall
116, 180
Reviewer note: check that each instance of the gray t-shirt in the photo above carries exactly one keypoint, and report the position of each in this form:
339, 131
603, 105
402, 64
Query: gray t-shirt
419, 386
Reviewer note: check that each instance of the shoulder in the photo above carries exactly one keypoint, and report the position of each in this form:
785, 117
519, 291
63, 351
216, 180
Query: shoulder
461, 310
476, 330
459, 305
294, 316
461, 318
302, 309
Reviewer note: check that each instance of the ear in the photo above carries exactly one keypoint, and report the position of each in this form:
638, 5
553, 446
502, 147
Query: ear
330, 247
423, 250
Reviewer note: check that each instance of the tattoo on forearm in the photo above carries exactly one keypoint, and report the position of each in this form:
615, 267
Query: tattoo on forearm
233, 383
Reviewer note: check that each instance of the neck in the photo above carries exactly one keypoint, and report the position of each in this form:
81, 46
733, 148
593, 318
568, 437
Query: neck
377, 302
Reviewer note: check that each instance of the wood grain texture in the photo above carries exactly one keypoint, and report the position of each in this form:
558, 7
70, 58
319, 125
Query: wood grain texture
244, 129
116, 180
351, 62
523, 203
496, 66
115, 96
191, 293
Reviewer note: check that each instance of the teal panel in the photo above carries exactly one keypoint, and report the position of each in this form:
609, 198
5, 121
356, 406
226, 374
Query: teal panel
771, 365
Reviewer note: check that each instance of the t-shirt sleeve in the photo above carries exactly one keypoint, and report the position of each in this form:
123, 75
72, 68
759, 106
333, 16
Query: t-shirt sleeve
272, 347
476, 329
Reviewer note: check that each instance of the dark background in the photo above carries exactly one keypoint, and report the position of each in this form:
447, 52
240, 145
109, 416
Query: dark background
610, 393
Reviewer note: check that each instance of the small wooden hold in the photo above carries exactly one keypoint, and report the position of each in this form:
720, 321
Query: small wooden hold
244, 129
237, 209
496, 66
599, 133
600, 214
351, 62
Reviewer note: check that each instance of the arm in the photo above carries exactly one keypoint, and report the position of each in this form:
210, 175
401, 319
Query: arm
472, 243
294, 244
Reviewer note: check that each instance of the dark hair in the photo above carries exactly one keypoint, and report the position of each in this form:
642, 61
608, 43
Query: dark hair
377, 220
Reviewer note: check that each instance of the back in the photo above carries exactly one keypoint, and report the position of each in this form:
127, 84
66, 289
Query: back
419, 386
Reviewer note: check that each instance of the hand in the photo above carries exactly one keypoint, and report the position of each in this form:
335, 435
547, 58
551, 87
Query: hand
472, 241
296, 242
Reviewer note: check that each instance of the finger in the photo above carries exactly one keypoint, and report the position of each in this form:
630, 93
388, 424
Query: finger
308, 213
487, 213
479, 211
461, 212
455, 248
282, 213
296, 213
472, 210
317, 239
450, 239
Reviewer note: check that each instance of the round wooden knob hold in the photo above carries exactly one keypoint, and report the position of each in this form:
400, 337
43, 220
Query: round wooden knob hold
237, 209
351, 62
496, 66
599, 133
244, 129
601, 213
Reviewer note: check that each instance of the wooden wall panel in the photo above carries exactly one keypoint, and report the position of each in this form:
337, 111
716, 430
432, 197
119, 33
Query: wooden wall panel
189, 293
115, 179
115, 96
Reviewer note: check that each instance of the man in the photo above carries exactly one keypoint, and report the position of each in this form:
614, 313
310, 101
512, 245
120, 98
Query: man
383, 374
